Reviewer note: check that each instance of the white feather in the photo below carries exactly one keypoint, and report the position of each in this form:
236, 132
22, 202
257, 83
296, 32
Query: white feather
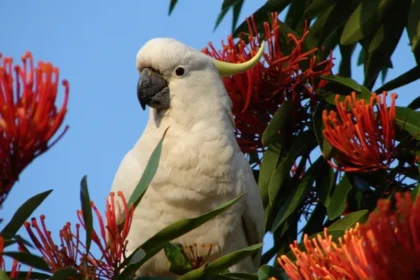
201, 165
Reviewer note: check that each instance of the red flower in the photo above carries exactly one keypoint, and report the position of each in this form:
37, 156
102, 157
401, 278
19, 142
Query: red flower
257, 93
363, 133
386, 247
28, 115
111, 241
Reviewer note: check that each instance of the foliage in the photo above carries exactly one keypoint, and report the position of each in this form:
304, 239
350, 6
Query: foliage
325, 150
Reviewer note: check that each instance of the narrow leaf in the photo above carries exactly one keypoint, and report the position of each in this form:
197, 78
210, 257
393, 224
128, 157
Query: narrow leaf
339, 198
413, 28
178, 261
349, 221
172, 5
277, 123
148, 174
23, 213
404, 79
409, 120
65, 273
86, 211
28, 259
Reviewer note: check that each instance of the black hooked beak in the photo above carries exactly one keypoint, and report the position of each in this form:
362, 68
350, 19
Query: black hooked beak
152, 90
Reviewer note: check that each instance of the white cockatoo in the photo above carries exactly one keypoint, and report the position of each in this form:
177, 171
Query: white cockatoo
201, 165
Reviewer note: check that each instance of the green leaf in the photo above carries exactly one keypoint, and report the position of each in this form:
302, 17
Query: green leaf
86, 211
263, 14
266, 272
65, 273
382, 44
23, 213
267, 168
227, 261
316, 7
277, 123
172, 5
221, 263
33, 275
346, 55
236, 5
278, 178
179, 228
349, 221
148, 174
415, 104
3, 275
364, 20
409, 120
404, 79
240, 276
415, 192
325, 184
293, 201
295, 13
318, 126
344, 81
339, 198
28, 259
178, 261
413, 28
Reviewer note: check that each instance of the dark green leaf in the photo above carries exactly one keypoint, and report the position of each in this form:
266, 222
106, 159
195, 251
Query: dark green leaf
221, 263
415, 104
178, 261
3, 275
318, 124
227, 261
64, 273
263, 14
316, 7
226, 6
23, 214
346, 55
86, 211
267, 168
277, 179
236, 12
339, 198
415, 192
33, 275
349, 221
266, 272
325, 184
404, 79
293, 201
408, 120
295, 13
28, 259
148, 174
364, 20
156, 242
344, 81
383, 43
413, 28
277, 123
241, 276
172, 5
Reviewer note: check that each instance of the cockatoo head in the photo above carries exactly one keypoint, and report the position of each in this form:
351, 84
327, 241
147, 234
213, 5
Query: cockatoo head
175, 75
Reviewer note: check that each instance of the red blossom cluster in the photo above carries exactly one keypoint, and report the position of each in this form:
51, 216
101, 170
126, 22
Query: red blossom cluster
386, 247
110, 240
257, 93
29, 117
363, 133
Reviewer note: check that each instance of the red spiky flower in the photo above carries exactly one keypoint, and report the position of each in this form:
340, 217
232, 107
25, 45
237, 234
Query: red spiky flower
29, 117
110, 240
386, 247
257, 93
363, 133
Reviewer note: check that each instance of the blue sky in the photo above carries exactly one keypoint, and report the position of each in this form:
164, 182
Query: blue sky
94, 43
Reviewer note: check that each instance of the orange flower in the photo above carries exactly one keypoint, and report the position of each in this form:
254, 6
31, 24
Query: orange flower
28, 115
198, 257
363, 133
257, 93
325, 259
386, 247
14, 272
111, 241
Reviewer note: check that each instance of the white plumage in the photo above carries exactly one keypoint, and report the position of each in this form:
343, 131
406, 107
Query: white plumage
201, 165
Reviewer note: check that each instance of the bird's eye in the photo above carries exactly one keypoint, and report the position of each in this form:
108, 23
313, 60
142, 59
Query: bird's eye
179, 71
